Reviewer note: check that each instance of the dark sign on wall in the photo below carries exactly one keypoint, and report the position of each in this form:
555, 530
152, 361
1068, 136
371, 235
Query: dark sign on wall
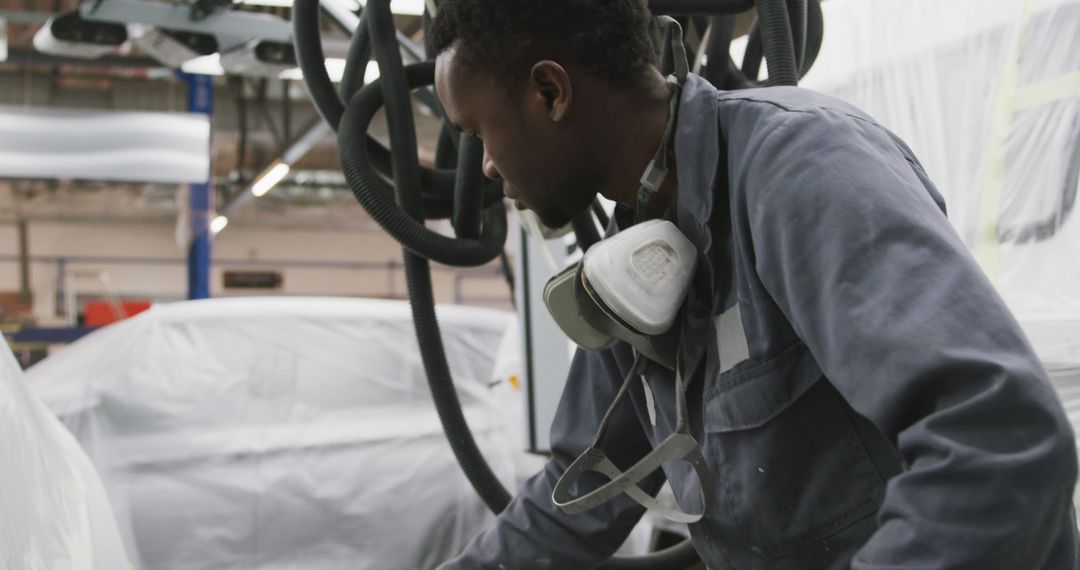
253, 280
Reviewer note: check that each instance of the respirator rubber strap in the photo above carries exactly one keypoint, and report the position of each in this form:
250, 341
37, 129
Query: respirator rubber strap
675, 447
636, 368
679, 446
656, 171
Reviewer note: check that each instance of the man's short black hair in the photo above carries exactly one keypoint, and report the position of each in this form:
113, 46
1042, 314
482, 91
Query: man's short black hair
610, 38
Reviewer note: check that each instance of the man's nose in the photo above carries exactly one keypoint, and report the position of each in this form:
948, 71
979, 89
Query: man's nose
490, 170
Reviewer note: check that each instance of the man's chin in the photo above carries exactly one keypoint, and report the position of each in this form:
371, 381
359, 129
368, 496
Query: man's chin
553, 220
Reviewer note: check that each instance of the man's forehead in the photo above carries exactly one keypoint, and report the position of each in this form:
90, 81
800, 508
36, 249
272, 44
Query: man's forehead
455, 84
449, 74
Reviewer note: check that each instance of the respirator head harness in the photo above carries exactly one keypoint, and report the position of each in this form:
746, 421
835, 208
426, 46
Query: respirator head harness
631, 288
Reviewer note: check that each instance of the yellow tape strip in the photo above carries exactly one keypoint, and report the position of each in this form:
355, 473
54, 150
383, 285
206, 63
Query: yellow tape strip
1049, 91
986, 248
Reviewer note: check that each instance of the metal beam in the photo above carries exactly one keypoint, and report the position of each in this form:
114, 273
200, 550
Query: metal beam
231, 28
35, 58
25, 16
342, 12
296, 150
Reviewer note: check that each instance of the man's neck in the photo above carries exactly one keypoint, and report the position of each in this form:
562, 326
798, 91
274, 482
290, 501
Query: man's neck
635, 125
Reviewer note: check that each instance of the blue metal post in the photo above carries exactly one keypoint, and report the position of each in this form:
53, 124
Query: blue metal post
200, 100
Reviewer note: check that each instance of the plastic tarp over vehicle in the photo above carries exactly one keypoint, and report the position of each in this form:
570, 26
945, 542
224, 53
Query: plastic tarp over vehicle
279, 433
54, 512
987, 93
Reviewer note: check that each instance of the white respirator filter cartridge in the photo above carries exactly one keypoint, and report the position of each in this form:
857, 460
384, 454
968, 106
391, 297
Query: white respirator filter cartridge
642, 274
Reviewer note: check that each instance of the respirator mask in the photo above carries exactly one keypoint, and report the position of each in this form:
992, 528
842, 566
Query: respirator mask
631, 287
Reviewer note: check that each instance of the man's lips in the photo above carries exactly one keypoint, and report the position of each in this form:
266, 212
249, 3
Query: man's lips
513, 196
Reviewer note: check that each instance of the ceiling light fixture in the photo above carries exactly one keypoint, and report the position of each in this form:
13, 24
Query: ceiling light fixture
269, 178
335, 69
204, 65
218, 224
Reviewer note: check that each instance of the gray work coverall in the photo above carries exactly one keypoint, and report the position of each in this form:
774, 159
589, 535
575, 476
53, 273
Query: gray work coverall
862, 396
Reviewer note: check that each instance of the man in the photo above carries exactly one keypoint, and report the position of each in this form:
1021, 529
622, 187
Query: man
862, 396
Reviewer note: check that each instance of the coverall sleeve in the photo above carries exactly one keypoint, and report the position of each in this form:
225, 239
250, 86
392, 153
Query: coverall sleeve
532, 532
850, 244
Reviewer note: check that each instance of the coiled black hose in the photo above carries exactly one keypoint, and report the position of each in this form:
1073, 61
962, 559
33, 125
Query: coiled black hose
446, 147
309, 55
366, 186
815, 33
699, 6
797, 17
751, 64
356, 61
754, 54
395, 84
437, 185
469, 197
776, 36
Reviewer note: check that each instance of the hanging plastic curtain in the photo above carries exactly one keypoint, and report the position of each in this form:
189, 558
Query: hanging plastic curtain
987, 93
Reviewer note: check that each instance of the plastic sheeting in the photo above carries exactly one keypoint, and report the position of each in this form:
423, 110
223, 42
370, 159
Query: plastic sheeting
134, 146
282, 432
987, 94
55, 514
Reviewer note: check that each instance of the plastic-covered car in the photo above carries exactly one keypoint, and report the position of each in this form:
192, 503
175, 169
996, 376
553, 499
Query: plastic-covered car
279, 433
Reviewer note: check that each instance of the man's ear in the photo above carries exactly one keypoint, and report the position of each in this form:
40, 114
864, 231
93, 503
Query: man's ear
549, 85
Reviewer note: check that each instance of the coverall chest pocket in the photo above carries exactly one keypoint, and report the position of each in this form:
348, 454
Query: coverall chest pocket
792, 467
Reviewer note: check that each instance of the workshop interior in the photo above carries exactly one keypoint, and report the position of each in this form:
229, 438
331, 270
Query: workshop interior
263, 309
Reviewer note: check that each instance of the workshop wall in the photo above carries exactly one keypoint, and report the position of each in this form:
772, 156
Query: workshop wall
144, 261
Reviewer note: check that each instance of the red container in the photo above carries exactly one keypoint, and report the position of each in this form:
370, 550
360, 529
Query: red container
99, 313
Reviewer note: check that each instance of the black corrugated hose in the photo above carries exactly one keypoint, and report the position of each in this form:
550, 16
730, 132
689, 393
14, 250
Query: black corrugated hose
776, 35
407, 229
797, 17
395, 91
437, 184
806, 49
683, 7
402, 216
356, 60
469, 189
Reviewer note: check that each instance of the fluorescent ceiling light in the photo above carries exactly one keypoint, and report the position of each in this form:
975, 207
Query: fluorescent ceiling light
269, 179
218, 224
205, 65
402, 7
335, 69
